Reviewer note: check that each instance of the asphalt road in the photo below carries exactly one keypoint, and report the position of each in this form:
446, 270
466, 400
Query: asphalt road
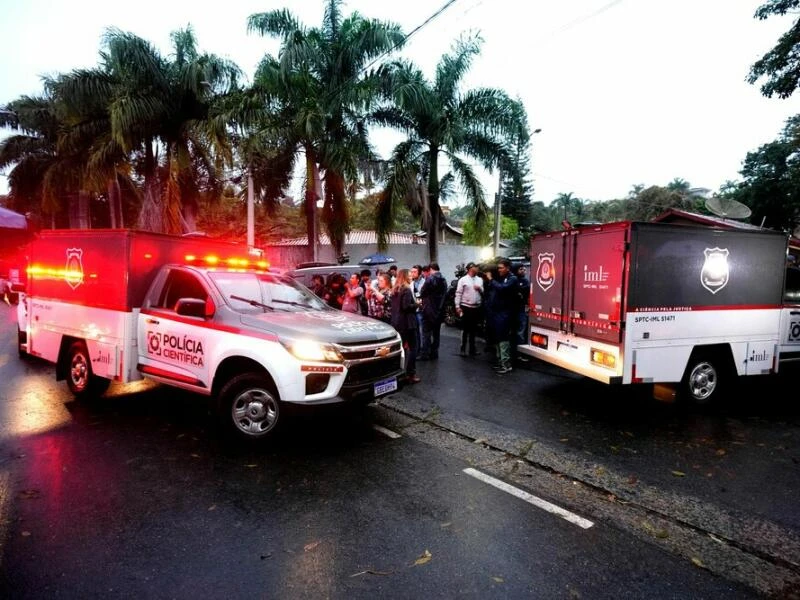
136, 496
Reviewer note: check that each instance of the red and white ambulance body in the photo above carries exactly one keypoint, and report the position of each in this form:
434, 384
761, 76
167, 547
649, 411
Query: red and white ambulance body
113, 305
634, 302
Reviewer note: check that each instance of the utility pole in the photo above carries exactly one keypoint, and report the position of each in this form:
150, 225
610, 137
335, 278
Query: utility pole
497, 214
251, 237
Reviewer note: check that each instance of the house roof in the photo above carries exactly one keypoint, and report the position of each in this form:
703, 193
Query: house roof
676, 215
354, 237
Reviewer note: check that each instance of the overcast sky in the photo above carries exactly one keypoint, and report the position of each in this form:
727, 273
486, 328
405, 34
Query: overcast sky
625, 92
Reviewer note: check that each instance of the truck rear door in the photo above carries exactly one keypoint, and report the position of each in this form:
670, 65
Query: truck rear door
549, 287
577, 282
598, 268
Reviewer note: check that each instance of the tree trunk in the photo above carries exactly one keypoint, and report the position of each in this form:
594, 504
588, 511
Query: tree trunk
312, 186
79, 211
115, 203
150, 217
433, 205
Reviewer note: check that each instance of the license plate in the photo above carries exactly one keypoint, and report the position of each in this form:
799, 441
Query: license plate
385, 386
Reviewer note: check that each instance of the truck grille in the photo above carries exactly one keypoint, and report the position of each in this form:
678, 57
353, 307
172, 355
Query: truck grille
361, 352
372, 370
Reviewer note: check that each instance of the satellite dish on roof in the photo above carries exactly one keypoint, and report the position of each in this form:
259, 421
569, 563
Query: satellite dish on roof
727, 208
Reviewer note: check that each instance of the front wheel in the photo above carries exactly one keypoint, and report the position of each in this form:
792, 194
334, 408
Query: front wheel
82, 382
249, 407
707, 374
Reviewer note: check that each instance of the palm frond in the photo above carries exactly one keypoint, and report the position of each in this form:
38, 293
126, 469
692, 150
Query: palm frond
452, 67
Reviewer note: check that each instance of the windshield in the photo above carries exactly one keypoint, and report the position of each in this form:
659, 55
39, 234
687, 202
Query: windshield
260, 292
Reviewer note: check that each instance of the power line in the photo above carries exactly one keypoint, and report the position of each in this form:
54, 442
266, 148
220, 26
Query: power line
443, 8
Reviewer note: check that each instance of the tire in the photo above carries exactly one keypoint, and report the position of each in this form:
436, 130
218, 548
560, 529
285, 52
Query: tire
249, 408
707, 375
20, 341
450, 316
82, 382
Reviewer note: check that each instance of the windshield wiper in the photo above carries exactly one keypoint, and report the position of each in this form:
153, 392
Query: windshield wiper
251, 302
292, 303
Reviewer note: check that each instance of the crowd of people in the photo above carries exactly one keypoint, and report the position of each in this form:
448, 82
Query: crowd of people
413, 301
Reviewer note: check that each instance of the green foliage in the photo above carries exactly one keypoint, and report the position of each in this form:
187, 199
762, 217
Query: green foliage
480, 234
771, 185
780, 67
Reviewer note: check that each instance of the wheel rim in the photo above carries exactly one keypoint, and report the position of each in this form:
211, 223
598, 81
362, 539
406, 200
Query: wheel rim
254, 412
79, 371
703, 381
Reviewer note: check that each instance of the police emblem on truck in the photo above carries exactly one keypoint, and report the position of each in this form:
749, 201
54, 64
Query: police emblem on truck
546, 272
714, 274
73, 273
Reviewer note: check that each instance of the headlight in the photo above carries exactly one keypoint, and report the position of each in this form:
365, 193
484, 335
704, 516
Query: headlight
311, 350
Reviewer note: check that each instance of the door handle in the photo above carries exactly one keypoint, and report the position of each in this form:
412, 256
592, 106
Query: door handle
151, 321
794, 313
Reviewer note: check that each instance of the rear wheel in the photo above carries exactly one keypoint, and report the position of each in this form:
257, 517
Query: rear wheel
249, 407
82, 382
21, 341
707, 375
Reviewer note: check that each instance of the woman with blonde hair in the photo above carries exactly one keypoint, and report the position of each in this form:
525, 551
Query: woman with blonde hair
404, 320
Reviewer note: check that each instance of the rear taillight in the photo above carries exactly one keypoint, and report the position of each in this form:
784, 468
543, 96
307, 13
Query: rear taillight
539, 340
603, 358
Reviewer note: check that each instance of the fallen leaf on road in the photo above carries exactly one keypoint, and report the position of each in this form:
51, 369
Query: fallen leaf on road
311, 546
721, 452
443, 525
698, 563
655, 531
499, 579
715, 538
679, 473
480, 441
26, 534
423, 558
564, 440
193, 455
212, 507
371, 572
251, 466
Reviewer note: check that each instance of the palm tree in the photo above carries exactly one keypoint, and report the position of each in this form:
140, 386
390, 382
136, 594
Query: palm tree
315, 95
42, 177
441, 122
159, 116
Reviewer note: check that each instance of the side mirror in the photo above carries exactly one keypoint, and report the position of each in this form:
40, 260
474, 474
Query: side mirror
191, 307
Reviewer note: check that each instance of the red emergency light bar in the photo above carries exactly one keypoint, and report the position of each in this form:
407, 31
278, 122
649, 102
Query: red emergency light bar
232, 262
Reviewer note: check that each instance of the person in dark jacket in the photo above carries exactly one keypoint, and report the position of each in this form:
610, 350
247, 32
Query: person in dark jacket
432, 295
524, 287
501, 312
404, 320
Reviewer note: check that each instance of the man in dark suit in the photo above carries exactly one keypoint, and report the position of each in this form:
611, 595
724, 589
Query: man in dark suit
432, 294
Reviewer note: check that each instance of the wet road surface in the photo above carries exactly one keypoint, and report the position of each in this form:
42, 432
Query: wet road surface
136, 495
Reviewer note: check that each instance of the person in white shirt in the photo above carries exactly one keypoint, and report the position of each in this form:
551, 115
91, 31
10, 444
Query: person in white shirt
468, 300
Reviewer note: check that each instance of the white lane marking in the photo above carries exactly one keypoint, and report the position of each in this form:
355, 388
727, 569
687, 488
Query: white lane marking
386, 432
530, 498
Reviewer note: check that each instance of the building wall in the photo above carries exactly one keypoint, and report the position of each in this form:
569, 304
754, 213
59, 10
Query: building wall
406, 255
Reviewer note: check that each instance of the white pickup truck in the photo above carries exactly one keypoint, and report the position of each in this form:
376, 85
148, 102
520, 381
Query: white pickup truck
116, 305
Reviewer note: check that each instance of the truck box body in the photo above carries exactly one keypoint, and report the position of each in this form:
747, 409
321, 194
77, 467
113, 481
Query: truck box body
630, 302
111, 268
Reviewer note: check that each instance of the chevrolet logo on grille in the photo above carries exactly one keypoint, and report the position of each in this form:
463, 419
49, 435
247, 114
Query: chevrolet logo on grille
382, 351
